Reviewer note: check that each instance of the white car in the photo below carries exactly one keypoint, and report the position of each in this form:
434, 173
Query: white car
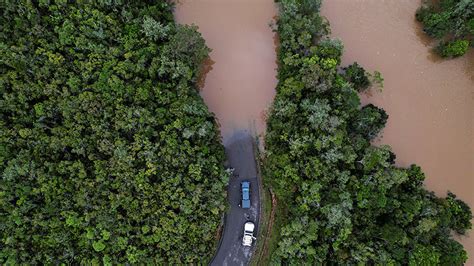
248, 234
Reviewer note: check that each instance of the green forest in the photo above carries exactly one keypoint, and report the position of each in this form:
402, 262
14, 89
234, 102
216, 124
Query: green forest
344, 201
108, 154
451, 22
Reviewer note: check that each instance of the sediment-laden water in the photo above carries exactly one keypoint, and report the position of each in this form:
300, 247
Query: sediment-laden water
241, 84
430, 101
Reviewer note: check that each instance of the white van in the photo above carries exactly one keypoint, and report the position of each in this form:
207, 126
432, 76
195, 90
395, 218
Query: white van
248, 234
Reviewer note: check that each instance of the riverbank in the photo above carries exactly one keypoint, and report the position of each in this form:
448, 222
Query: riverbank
430, 101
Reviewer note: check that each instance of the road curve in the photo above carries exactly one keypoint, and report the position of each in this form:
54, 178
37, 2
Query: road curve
240, 155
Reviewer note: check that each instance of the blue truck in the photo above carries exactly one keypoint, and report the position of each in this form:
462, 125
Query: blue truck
245, 189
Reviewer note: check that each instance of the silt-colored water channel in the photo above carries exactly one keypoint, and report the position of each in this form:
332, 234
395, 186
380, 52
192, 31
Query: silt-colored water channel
241, 84
430, 101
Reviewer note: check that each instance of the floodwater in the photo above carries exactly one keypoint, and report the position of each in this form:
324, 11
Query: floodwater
240, 85
430, 101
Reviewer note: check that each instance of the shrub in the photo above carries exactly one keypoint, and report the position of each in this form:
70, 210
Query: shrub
454, 48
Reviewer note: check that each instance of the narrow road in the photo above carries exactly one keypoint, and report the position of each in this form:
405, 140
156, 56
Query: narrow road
239, 151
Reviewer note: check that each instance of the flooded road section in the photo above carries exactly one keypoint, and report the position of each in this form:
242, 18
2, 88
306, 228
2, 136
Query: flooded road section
430, 101
241, 84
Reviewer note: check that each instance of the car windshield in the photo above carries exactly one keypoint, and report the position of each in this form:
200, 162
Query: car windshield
248, 227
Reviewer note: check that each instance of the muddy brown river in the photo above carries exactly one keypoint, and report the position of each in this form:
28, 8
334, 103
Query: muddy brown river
241, 84
430, 101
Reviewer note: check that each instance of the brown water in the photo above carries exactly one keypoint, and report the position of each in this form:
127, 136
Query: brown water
430, 101
241, 84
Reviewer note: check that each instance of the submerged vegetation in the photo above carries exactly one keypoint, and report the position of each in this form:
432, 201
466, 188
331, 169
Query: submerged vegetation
451, 22
347, 203
107, 153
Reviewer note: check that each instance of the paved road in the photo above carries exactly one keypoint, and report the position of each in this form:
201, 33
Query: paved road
239, 151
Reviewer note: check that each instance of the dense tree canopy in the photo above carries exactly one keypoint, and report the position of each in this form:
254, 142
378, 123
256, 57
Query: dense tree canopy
347, 203
451, 22
107, 152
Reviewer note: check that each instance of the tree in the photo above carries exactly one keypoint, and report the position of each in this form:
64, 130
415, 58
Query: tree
357, 76
449, 21
369, 121
108, 154
347, 203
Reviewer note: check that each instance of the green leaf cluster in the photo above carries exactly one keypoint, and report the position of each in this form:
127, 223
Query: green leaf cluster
107, 152
451, 22
347, 203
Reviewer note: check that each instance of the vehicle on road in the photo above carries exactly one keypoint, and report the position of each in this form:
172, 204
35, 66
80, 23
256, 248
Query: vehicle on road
245, 189
248, 234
